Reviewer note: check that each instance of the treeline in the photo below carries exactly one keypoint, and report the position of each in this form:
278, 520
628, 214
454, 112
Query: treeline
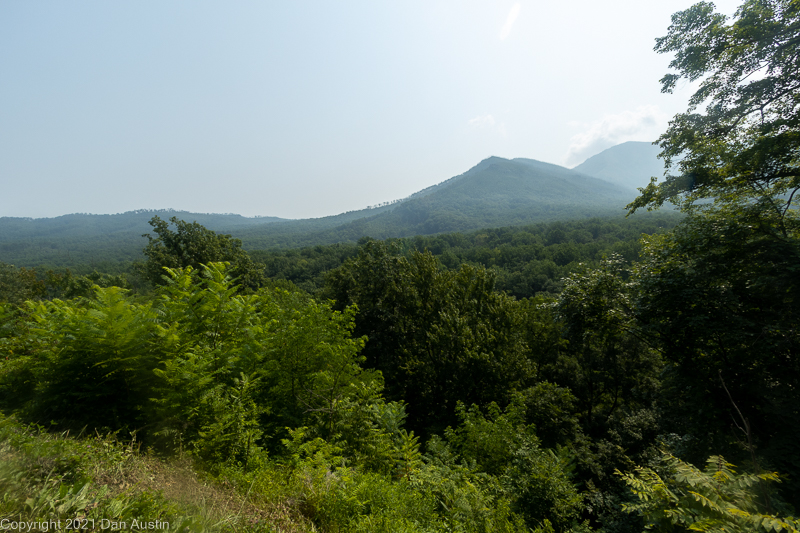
420, 216
527, 260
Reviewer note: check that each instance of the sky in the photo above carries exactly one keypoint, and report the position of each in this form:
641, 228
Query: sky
310, 109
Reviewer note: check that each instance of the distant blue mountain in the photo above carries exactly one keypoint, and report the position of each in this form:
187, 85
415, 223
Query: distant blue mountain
495, 192
629, 164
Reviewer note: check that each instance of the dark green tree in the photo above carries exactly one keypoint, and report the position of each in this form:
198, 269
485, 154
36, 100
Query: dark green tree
718, 295
606, 363
439, 336
67, 285
191, 244
746, 142
614, 375
19, 284
535, 480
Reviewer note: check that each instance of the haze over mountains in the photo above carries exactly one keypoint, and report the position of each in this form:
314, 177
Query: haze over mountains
625, 164
495, 192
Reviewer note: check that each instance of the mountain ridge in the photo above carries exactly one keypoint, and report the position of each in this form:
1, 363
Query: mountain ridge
630, 164
494, 192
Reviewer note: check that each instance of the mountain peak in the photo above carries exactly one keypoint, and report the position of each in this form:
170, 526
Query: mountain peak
630, 164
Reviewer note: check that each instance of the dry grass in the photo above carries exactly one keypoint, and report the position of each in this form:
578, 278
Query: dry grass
178, 481
126, 472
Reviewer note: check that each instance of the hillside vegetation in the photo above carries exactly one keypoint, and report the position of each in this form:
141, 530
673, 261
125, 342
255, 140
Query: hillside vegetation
393, 389
526, 260
419, 397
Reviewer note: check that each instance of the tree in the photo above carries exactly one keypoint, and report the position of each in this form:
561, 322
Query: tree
746, 144
276, 358
502, 445
438, 336
194, 245
91, 360
718, 295
19, 284
606, 364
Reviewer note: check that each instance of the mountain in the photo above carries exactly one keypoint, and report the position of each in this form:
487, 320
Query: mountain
629, 164
495, 192
94, 239
86, 225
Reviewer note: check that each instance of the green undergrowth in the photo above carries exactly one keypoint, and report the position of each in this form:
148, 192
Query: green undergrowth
53, 480
98, 482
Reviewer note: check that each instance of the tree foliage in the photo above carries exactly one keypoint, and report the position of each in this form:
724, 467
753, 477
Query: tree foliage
192, 245
717, 295
714, 500
19, 284
746, 142
606, 363
92, 359
534, 479
438, 336
527, 260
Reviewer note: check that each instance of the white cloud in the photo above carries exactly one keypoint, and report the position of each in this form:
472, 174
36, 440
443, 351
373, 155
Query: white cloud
488, 122
643, 124
512, 17
482, 121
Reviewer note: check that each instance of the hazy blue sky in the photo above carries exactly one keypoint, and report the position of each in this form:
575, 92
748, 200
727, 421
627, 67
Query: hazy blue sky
302, 109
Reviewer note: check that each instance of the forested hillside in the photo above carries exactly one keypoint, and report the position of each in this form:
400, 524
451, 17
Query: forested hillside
555, 378
496, 192
527, 260
105, 242
420, 396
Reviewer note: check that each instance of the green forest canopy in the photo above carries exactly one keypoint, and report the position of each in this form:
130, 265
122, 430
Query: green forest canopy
408, 393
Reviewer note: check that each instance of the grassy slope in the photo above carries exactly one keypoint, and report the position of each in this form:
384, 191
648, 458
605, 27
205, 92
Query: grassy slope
56, 477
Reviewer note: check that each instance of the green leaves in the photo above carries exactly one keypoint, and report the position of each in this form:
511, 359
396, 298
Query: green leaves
718, 296
438, 336
247, 365
19, 284
201, 368
93, 359
746, 142
716, 499
501, 445
192, 245
606, 363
